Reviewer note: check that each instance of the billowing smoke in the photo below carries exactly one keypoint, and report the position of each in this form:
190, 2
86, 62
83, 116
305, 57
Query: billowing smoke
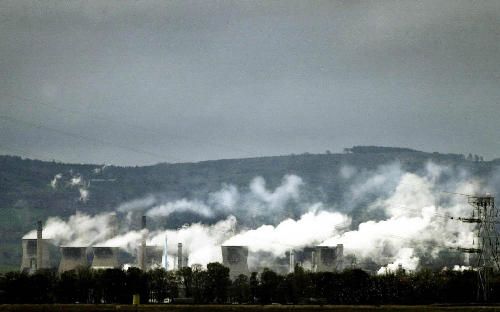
73, 181
258, 203
412, 218
80, 229
55, 180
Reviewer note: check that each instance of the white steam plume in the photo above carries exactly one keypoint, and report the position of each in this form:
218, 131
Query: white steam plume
413, 219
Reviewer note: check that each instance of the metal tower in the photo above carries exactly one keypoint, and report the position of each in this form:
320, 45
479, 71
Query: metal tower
486, 243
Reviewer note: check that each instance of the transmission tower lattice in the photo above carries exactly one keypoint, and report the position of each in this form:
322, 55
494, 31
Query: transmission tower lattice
487, 245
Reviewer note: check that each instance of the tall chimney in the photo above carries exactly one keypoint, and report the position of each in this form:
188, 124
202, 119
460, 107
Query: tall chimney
142, 256
179, 256
313, 261
165, 255
39, 248
292, 261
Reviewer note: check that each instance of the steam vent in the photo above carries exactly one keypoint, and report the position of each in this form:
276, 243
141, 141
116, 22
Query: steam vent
105, 258
236, 259
73, 257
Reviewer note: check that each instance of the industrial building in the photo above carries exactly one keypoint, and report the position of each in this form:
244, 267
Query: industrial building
29, 262
105, 258
329, 259
318, 258
37, 255
72, 258
152, 257
236, 259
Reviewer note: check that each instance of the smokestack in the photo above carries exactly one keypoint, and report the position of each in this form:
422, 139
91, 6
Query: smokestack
39, 247
313, 261
179, 256
142, 252
292, 261
165, 254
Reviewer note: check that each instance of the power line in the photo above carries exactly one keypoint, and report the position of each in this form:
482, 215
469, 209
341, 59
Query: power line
81, 137
109, 119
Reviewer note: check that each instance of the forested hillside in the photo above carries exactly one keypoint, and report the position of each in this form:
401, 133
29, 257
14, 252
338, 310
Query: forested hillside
33, 189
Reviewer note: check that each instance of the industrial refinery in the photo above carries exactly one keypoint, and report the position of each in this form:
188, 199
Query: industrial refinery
42, 253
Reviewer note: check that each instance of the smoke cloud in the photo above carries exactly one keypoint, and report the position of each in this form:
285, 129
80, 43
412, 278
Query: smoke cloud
413, 218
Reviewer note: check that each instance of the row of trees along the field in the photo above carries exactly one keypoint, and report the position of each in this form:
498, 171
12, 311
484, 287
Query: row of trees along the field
212, 285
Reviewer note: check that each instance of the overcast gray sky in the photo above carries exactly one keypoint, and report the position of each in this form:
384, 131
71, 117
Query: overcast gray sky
139, 82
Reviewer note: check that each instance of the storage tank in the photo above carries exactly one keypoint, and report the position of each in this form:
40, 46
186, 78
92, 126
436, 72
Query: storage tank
72, 257
105, 258
236, 259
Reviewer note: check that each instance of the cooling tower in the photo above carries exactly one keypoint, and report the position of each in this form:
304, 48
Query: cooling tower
105, 258
235, 258
30, 261
72, 257
328, 259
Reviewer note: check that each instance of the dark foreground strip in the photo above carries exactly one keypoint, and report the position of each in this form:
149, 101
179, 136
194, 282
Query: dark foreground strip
235, 308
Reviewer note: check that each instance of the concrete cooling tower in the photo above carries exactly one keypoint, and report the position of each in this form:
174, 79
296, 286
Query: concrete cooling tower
30, 259
236, 259
328, 259
72, 257
105, 258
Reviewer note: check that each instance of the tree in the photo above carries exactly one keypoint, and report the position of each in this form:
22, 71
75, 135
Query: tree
185, 276
158, 284
240, 289
66, 286
218, 281
136, 282
269, 282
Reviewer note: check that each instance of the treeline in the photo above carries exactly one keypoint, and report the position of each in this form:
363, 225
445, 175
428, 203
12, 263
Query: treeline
212, 285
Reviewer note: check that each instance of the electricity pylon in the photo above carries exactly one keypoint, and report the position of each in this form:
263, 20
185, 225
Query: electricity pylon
487, 244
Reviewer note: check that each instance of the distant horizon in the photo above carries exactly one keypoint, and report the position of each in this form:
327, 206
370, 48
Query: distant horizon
326, 152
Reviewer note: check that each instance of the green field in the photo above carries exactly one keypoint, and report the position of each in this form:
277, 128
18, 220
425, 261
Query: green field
239, 308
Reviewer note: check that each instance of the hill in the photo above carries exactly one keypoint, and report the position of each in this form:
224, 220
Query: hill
34, 189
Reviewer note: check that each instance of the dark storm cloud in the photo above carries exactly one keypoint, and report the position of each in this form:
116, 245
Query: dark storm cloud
194, 80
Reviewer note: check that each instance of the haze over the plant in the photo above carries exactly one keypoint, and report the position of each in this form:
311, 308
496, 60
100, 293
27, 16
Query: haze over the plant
139, 82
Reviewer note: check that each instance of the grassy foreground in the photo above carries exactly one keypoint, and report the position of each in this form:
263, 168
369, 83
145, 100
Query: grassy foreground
237, 308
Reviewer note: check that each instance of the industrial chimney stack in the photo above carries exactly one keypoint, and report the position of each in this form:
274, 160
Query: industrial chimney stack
179, 256
291, 269
142, 252
39, 247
